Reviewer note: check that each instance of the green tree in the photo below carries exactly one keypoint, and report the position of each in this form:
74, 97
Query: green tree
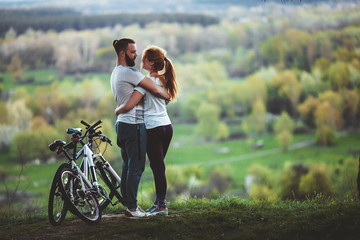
20, 146
351, 105
307, 110
223, 131
3, 113
273, 51
295, 55
311, 83
15, 68
256, 122
262, 183
346, 173
284, 127
41, 138
208, 120
325, 132
317, 181
191, 104
288, 86
290, 180
336, 104
339, 76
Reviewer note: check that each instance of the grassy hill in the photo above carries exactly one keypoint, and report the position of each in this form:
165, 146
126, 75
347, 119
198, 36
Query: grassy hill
228, 218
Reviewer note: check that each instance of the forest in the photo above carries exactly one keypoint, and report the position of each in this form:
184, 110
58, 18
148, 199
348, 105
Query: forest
56, 19
276, 72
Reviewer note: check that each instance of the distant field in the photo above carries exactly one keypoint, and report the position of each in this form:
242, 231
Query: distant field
187, 150
33, 79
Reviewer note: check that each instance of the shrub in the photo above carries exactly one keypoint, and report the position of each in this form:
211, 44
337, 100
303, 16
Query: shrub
316, 181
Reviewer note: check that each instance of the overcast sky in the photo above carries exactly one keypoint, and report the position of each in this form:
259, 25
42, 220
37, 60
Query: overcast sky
108, 6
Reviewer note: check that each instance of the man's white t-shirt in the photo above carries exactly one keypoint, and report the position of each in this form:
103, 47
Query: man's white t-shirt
155, 113
122, 81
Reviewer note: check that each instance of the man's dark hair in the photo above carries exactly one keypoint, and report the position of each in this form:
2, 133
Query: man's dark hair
122, 44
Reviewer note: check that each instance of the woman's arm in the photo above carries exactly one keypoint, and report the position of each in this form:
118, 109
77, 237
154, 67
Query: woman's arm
155, 89
130, 104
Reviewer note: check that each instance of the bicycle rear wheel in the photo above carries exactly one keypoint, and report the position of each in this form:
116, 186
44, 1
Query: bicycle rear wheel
57, 207
84, 204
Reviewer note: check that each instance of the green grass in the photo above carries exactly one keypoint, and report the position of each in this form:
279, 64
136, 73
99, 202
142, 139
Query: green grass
42, 77
227, 218
241, 155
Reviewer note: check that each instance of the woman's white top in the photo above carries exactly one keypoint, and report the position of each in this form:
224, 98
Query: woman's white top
155, 113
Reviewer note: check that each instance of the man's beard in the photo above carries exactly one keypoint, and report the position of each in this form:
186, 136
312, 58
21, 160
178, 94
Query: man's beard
130, 62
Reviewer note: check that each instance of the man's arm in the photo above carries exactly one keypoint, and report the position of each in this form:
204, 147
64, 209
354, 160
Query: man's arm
130, 103
155, 89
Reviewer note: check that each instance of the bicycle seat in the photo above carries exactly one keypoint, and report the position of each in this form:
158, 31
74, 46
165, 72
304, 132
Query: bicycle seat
56, 144
74, 131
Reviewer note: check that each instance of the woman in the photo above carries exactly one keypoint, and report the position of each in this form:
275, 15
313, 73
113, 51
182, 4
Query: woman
157, 122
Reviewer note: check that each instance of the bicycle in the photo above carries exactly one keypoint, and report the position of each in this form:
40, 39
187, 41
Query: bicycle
76, 188
57, 207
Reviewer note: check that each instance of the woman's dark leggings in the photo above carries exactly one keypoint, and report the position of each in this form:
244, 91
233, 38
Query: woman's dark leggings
158, 141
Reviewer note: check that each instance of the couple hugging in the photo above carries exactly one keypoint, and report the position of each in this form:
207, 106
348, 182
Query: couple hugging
143, 125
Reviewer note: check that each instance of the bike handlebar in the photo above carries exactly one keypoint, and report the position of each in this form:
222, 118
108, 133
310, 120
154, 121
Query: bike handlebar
85, 123
90, 127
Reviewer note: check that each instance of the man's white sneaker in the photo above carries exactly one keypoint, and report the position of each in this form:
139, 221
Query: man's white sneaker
138, 212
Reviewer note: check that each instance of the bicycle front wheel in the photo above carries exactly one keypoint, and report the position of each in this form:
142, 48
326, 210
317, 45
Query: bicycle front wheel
79, 198
57, 207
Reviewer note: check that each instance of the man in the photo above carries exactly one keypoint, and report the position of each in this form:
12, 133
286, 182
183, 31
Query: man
130, 127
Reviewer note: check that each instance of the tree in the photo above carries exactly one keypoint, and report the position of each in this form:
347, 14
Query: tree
19, 114
40, 139
38, 123
307, 110
325, 132
15, 68
295, 55
351, 105
283, 128
256, 122
20, 146
273, 51
311, 84
223, 131
290, 181
339, 76
336, 108
285, 138
3, 113
208, 120
317, 181
262, 183
288, 86
191, 105
7, 132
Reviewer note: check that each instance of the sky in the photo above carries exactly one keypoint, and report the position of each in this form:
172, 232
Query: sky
108, 6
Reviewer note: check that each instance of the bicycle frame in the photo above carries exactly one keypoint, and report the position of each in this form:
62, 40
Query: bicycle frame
87, 164
99, 157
